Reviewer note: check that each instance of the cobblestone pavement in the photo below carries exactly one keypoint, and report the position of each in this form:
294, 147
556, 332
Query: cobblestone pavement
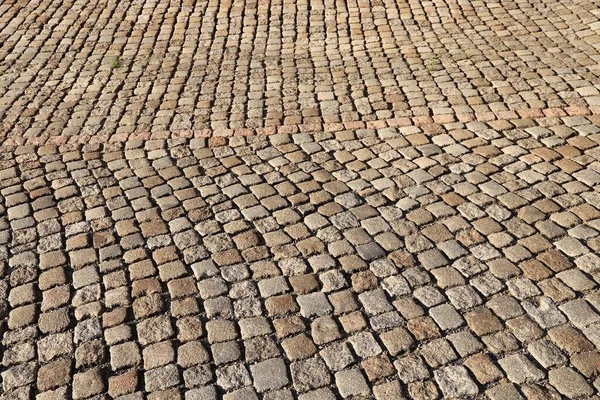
71, 70
299, 199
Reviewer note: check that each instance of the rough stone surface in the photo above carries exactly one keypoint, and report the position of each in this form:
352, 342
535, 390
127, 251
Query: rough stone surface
288, 199
455, 382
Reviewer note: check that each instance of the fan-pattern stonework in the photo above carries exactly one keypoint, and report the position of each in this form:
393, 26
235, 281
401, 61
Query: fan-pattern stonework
310, 200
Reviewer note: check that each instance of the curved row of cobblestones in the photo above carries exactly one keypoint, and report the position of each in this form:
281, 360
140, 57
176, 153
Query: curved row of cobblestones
374, 262
306, 200
107, 68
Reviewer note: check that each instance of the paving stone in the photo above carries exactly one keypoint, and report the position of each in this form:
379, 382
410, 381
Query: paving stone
19, 376
324, 393
544, 312
365, 345
546, 353
446, 317
86, 384
483, 322
411, 368
154, 329
465, 343
423, 390
580, 313
519, 369
483, 368
503, 391
309, 374
569, 383
124, 355
377, 368
397, 340
324, 330
455, 382
437, 353
337, 356
54, 374
191, 353
161, 378
269, 375
299, 346
123, 384
375, 302
233, 376
569, 340
90, 353
54, 346
313, 304
351, 383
